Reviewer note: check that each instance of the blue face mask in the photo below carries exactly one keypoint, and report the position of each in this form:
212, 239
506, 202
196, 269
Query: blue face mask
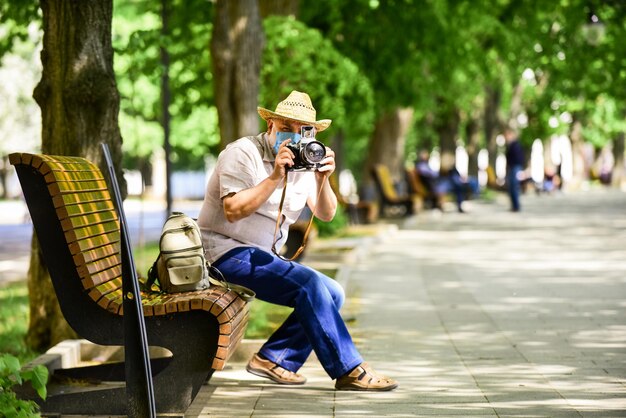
285, 136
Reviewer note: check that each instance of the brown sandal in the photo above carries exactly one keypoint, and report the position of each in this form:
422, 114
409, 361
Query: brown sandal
261, 367
363, 377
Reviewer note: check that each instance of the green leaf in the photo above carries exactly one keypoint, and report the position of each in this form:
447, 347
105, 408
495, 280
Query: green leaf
10, 363
39, 379
10, 370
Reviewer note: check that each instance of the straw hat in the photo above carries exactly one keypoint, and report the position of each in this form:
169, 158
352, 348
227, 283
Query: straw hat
298, 107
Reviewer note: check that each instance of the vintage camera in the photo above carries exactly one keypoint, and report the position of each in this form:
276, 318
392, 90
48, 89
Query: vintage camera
308, 152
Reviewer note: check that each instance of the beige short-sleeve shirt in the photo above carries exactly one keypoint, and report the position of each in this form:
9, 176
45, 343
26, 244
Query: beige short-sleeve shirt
242, 165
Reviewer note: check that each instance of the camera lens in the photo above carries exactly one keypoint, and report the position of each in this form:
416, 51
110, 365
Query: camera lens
314, 152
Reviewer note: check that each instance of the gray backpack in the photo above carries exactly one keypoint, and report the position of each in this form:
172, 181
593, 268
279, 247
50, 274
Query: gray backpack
181, 265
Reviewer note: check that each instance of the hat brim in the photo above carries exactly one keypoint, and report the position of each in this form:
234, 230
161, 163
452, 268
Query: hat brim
319, 125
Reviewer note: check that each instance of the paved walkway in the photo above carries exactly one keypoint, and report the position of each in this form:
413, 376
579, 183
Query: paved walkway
490, 313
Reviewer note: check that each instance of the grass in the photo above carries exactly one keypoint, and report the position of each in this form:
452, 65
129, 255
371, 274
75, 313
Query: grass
265, 318
14, 321
144, 257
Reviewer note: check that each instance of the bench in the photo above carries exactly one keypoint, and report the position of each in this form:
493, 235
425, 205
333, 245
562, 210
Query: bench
501, 185
390, 202
419, 188
79, 234
359, 211
492, 180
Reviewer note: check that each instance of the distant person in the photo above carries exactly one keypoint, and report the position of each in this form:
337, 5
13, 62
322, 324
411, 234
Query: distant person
439, 185
607, 162
514, 167
551, 180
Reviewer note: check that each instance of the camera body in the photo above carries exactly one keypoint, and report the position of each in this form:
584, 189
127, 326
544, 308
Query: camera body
308, 151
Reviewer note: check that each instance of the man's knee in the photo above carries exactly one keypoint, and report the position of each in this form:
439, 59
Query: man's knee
322, 288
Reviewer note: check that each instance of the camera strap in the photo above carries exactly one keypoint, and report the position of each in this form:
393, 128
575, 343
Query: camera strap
279, 218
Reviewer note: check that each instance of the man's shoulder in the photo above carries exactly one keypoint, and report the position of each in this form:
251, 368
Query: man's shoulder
241, 143
241, 146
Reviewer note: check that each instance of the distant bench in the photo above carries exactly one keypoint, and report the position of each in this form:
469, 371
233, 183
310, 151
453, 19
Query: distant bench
419, 188
390, 202
79, 234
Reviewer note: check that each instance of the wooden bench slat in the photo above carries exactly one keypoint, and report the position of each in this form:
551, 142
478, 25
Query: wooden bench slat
15, 158
94, 242
207, 304
53, 176
48, 166
116, 306
159, 309
221, 353
152, 300
235, 336
89, 270
228, 315
220, 305
70, 164
69, 199
171, 306
85, 208
184, 303
107, 294
210, 295
101, 277
230, 311
91, 186
113, 285
224, 351
91, 231
95, 254
218, 364
67, 159
90, 219
228, 324
225, 339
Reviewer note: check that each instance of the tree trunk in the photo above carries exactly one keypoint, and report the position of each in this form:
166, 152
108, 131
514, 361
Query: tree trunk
4, 164
79, 105
618, 154
491, 124
447, 127
387, 144
279, 7
236, 48
578, 153
472, 133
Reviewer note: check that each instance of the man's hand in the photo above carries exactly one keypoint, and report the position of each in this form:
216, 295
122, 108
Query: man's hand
328, 165
284, 159
326, 207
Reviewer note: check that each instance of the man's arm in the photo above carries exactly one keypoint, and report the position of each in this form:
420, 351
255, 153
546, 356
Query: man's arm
245, 202
326, 207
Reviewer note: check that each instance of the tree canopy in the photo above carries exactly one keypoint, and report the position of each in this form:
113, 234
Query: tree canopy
462, 66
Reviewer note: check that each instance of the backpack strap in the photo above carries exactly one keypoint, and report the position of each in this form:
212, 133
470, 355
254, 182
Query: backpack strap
217, 278
153, 278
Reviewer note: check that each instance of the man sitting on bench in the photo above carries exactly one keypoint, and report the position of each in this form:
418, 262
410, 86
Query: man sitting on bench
243, 238
440, 184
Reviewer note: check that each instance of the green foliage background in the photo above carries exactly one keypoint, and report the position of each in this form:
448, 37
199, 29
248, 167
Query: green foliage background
361, 58
300, 58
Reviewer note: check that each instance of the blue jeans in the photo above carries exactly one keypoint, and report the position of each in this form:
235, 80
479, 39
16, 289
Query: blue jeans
314, 324
514, 186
